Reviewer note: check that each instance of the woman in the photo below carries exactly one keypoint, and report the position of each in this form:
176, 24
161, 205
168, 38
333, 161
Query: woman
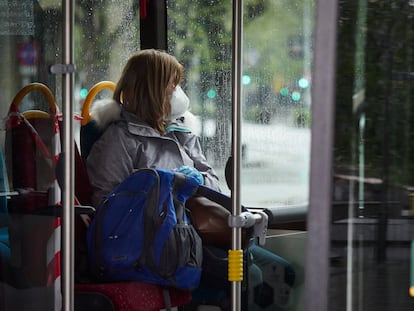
137, 128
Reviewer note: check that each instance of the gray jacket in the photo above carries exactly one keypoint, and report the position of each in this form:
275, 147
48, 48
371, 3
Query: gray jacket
127, 145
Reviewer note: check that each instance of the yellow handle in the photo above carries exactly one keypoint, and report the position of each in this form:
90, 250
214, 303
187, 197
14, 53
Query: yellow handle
86, 117
29, 88
235, 269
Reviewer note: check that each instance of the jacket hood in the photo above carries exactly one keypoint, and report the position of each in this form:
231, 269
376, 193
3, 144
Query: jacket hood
105, 111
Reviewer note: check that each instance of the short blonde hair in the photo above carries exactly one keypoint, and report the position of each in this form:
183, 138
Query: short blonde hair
143, 85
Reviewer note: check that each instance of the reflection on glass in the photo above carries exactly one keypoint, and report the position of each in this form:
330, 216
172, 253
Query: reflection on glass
29, 266
373, 180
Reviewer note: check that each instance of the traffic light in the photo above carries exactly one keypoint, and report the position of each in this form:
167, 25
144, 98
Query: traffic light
295, 96
211, 93
284, 91
246, 79
303, 83
83, 92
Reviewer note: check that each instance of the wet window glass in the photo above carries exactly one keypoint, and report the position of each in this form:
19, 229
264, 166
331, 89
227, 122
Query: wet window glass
276, 84
105, 36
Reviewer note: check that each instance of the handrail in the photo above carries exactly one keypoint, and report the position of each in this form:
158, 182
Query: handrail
285, 214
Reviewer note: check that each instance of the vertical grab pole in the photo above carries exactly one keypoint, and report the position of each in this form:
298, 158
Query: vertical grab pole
236, 254
68, 192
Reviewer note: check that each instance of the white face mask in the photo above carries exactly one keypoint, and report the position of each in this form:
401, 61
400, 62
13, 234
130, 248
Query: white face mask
179, 103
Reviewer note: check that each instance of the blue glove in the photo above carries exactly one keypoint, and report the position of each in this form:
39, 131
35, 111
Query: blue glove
192, 172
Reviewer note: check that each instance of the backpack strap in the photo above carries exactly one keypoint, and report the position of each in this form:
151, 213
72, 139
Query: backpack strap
179, 182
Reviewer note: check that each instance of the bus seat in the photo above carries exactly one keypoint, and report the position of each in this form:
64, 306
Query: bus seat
31, 140
126, 296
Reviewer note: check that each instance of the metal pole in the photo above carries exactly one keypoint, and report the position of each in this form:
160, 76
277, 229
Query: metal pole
67, 146
236, 137
323, 106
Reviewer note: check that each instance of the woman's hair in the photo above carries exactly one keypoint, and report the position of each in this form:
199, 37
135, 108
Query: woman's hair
142, 88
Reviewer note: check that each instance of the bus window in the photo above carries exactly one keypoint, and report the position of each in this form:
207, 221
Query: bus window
277, 55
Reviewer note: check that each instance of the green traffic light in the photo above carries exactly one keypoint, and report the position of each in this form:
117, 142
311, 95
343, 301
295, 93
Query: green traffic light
246, 79
303, 83
284, 91
211, 93
83, 93
295, 96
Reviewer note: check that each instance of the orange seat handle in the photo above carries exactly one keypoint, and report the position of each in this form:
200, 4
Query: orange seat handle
86, 117
14, 107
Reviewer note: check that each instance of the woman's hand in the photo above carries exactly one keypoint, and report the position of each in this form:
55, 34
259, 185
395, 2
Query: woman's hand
192, 172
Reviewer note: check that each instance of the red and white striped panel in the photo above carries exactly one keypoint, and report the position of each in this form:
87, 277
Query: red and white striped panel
54, 243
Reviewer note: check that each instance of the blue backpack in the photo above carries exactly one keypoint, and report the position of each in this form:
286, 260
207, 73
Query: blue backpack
141, 232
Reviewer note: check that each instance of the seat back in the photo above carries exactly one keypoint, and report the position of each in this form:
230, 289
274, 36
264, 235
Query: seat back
32, 141
89, 133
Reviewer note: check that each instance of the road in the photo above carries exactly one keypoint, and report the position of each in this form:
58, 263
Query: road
275, 169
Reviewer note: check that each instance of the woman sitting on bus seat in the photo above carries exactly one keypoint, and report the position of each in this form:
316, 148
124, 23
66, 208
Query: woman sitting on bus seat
135, 127
144, 126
